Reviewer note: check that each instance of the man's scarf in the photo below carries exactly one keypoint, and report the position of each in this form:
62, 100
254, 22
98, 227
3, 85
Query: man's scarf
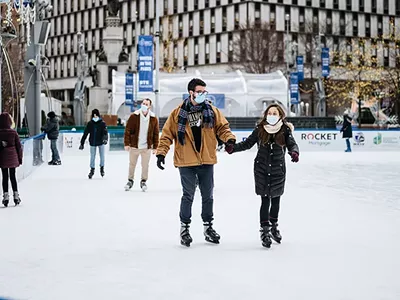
186, 108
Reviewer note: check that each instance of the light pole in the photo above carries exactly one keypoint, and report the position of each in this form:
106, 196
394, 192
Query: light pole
287, 18
157, 62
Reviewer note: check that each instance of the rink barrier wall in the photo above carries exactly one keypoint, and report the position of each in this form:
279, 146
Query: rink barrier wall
307, 139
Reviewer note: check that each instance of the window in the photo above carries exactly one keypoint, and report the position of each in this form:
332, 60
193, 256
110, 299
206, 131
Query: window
336, 4
397, 7
348, 4
224, 20
322, 3
386, 7
237, 17
374, 6
361, 5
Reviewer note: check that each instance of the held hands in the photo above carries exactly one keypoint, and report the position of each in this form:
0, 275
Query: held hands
154, 151
160, 161
229, 146
127, 148
105, 142
81, 147
295, 157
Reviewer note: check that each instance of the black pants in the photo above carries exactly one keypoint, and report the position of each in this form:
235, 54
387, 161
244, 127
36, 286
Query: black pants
189, 175
269, 210
12, 177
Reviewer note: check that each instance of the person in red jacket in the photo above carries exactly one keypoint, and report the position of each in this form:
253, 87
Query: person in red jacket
10, 157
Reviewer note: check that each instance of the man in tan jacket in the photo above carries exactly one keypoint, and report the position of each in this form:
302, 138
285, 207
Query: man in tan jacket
141, 136
194, 127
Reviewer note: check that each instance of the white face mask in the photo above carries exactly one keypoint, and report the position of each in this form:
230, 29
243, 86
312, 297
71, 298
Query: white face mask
144, 108
272, 120
96, 119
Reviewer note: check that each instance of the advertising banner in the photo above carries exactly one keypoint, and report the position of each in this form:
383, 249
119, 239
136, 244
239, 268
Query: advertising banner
145, 63
300, 67
129, 89
294, 88
325, 62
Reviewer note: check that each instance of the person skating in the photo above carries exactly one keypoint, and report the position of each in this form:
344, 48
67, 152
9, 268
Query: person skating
10, 158
347, 131
272, 135
98, 138
52, 130
140, 139
193, 127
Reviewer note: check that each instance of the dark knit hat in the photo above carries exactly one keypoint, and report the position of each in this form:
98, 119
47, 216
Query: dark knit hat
51, 114
95, 112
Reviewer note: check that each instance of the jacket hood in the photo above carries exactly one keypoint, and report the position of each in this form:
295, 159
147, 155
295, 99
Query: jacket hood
5, 121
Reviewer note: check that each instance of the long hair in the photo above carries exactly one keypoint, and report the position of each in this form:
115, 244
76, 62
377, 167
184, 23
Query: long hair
263, 135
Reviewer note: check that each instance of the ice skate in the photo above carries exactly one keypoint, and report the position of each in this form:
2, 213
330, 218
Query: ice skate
143, 185
265, 236
275, 234
6, 199
91, 173
50, 163
102, 173
129, 185
186, 239
210, 234
17, 199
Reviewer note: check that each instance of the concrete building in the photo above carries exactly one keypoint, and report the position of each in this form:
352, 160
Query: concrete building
199, 34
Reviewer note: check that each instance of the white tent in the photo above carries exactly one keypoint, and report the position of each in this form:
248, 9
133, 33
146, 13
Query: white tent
46, 104
243, 94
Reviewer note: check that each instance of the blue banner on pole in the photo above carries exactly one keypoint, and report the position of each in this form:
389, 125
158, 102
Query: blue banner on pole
218, 100
145, 63
300, 67
325, 62
294, 88
129, 88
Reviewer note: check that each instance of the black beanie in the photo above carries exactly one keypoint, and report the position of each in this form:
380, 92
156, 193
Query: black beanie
51, 114
95, 112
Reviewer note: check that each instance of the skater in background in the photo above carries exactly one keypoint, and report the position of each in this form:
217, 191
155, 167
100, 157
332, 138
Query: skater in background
272, 136
141, 139
10, 157
193, 127
347, 130
96, 128
52, 130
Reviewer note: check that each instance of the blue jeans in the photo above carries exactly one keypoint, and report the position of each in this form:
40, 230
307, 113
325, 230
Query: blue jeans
93, 155
54, 151
189, 175
348, 144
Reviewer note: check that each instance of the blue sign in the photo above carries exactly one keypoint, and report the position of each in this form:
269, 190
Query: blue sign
325, 62
218, 100
300, 67
294, 88
145, 63
129, 88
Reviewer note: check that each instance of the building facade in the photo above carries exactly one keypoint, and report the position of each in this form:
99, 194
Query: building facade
199, 34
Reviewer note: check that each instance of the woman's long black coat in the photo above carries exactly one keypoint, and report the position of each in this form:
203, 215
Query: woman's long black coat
346, 129
269, 164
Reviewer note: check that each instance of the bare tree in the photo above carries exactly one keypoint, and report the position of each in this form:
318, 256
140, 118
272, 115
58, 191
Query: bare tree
258, 49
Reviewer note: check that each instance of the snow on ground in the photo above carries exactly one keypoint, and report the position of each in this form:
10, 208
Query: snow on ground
74, 238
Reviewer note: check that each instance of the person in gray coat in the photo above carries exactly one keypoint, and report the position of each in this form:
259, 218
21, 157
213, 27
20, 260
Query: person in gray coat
52, 130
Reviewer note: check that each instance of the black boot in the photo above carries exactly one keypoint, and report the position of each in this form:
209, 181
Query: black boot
102, 173
211, 235
91, 173
143, 185
6, 199
265, 236
17, 199
186, 239
129, 185
275, 234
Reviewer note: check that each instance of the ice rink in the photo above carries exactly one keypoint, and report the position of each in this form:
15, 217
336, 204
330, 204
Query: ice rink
79, 239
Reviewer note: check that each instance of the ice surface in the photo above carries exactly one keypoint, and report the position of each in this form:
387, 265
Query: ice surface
74, 238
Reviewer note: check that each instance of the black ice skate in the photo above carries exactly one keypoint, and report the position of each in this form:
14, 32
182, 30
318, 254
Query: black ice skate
55, 163
17, 199
275, 234
186, 239
143, 185
6, 199
265, 236
50, 163
91, 173
129, 185
102, 173
211, 235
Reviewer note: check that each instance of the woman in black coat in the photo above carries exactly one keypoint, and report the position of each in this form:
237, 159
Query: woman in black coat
347, 131
272, 135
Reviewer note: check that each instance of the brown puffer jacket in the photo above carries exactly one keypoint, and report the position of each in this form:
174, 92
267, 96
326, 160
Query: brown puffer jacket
131, 136
187, 155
